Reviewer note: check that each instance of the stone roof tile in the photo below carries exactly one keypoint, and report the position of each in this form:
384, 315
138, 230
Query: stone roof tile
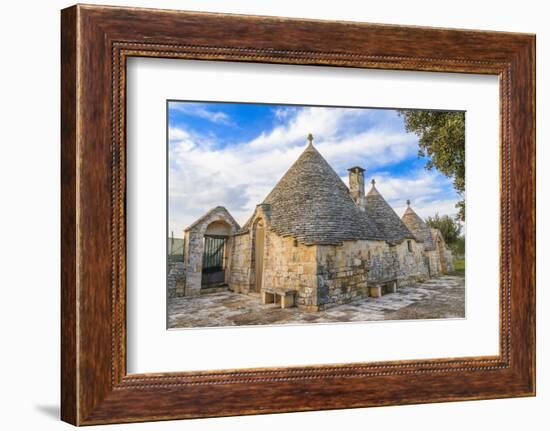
387, 221
218, 209
312, 204
419, 228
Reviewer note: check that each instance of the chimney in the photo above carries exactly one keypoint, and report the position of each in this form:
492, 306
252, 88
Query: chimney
357, 186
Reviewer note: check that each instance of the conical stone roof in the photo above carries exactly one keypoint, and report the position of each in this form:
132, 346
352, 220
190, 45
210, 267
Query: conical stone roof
387, 221
312, 204
418, 227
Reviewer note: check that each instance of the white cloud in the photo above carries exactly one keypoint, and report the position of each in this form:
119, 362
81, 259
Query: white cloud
427, 191
324, 123
184, 139
369, 149
418, 186
282, 113
430, 208
200, 111
204, 173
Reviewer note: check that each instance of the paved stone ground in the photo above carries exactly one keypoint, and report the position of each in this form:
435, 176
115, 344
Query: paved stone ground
437, 298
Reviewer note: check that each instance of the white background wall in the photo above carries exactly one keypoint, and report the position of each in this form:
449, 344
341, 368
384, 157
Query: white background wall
29, 214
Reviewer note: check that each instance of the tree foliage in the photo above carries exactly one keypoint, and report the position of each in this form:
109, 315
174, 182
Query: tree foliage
449, 227
441, 137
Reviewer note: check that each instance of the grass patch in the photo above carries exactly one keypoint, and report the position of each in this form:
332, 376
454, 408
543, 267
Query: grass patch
459, 265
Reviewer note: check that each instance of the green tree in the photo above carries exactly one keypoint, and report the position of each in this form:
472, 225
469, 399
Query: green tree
441, 138
450, 228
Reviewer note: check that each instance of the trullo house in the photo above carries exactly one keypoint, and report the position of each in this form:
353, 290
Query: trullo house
312, 243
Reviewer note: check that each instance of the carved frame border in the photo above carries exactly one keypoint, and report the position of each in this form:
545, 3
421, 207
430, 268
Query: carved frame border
96, 42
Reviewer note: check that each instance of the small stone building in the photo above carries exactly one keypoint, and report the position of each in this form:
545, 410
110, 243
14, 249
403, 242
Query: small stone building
400, 258
439, 259
312, 243
207, 246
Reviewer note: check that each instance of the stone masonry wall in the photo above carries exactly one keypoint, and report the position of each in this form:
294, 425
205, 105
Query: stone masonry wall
381, 262
218, 220
175, 279
240, 274
326, 275
342, 273
434, 262
450, 260
290, 265
411, 266
193, 262
389, 263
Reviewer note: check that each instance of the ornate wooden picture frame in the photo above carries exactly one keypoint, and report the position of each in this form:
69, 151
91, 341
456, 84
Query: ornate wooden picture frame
96, 41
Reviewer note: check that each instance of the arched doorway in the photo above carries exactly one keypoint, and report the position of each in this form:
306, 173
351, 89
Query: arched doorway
214, 255
218, 222
259, 242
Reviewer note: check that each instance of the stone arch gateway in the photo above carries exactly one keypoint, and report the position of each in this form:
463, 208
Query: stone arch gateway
207, 249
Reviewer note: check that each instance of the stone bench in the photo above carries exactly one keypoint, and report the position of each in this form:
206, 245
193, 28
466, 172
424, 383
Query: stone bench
286, 298
377, 290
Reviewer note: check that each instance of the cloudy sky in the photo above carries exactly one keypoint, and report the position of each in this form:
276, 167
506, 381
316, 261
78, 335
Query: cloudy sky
233, 154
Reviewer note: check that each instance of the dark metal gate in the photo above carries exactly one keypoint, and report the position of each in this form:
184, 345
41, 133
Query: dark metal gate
212, 261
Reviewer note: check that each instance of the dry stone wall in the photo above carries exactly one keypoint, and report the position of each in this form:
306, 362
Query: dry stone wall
176, 279
396, 263
434, 262
411, 267
290, 265
240, 276
321, 275
381, 262
342, 273
449, 260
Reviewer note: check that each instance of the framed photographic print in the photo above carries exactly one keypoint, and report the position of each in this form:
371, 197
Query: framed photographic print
266, 215
319, 239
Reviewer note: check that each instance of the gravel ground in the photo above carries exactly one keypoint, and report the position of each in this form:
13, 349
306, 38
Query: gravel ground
437, 298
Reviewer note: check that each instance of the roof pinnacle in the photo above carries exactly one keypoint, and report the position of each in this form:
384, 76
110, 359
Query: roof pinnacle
408, 203
310, 139
373, 182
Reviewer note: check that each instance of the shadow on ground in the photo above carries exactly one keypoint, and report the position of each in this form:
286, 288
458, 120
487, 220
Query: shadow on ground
52, 411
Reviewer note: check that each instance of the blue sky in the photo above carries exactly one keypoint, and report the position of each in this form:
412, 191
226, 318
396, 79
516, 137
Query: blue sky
232, 154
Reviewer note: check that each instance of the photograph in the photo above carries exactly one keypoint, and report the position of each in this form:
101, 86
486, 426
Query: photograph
307, 214
302, 214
